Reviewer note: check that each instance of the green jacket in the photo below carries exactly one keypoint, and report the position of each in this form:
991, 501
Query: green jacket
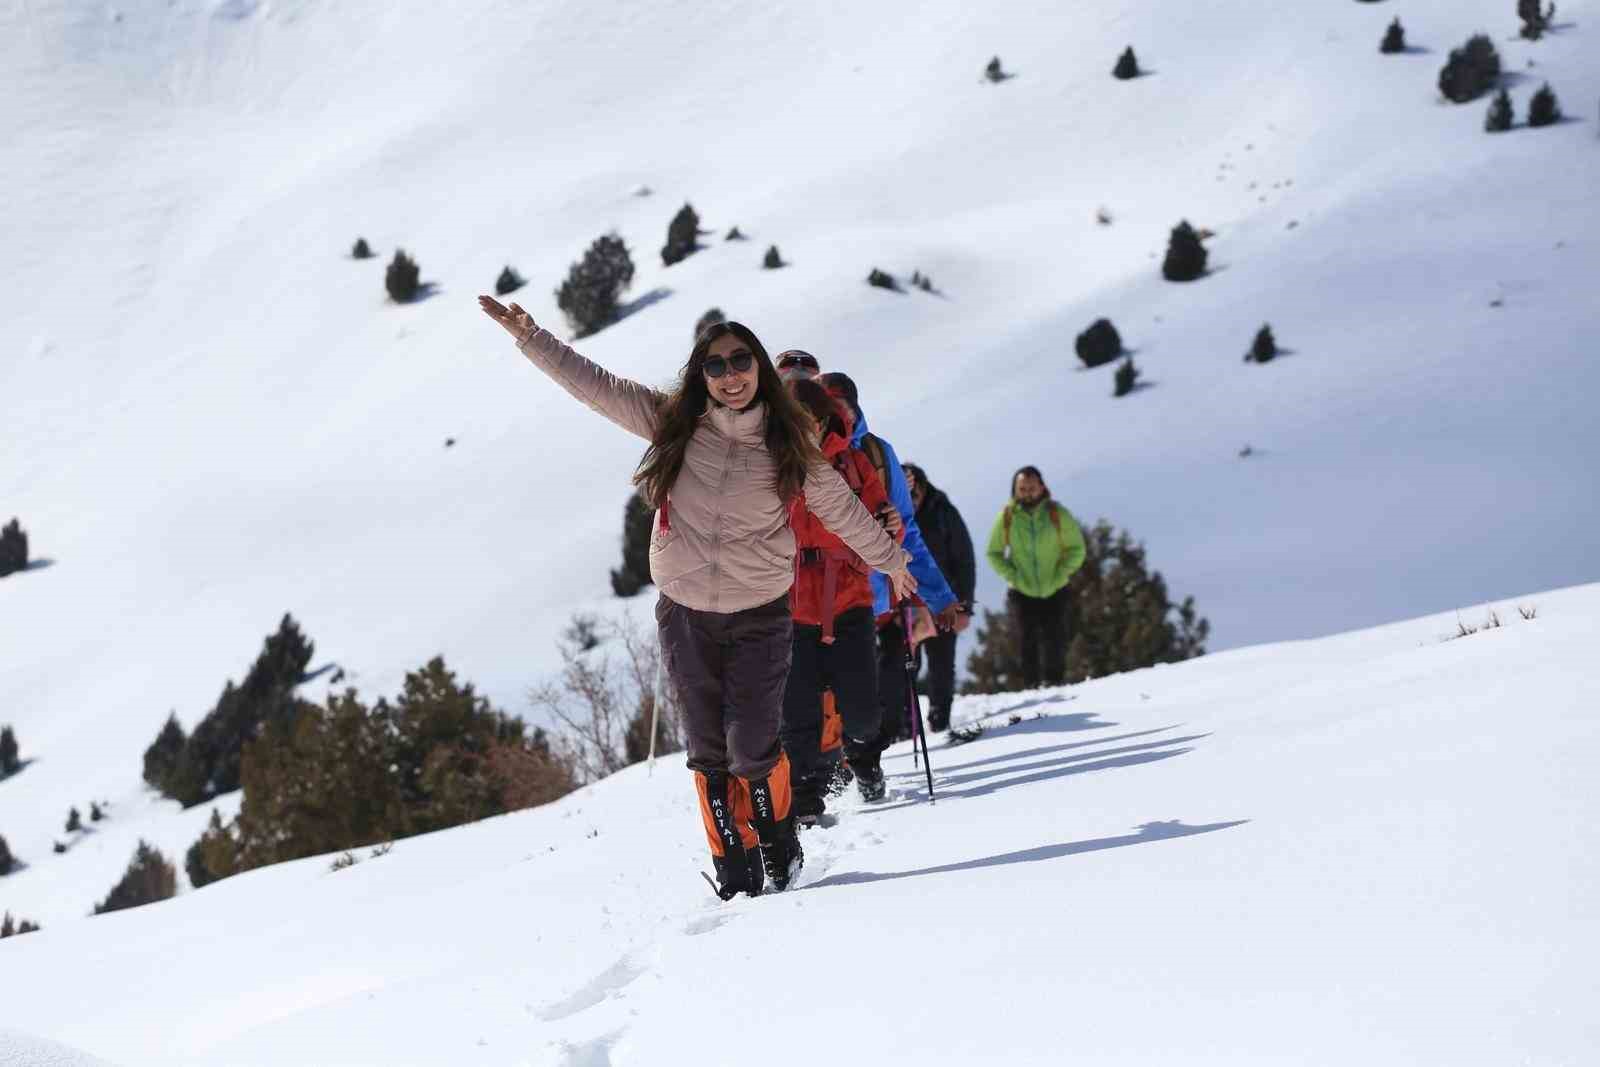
1041, 556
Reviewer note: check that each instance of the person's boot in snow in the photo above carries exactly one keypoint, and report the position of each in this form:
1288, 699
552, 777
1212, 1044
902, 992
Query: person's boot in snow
773, 818
869, 776
808, 804
735, 849
938, 719
840, 779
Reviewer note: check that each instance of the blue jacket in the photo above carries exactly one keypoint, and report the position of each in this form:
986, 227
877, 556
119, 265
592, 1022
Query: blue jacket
931, 585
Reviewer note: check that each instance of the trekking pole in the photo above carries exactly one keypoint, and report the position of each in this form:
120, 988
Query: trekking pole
913, 706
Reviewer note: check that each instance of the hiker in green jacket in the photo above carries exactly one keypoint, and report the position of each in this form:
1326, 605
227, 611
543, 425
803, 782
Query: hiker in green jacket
1036, 546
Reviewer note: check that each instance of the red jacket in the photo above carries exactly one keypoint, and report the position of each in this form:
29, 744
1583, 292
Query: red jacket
823, 560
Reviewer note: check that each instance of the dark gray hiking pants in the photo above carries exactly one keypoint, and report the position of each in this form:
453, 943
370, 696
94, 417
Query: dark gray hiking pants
728, 673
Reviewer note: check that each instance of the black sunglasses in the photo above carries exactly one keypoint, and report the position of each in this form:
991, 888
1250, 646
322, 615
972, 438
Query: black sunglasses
809, 362
716, 366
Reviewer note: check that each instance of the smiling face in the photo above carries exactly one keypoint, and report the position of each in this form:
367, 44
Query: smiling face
735, 388
1028, 490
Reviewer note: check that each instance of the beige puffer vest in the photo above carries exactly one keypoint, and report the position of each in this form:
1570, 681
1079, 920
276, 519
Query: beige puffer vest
726, 545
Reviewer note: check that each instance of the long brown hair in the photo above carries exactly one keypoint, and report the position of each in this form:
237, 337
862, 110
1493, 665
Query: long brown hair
788, 436
824, 408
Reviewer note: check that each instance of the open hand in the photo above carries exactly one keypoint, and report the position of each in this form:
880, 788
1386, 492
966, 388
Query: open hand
517, 322
902, 583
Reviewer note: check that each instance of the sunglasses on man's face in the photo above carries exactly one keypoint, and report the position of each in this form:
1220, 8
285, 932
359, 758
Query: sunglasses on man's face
808, 362
716, 366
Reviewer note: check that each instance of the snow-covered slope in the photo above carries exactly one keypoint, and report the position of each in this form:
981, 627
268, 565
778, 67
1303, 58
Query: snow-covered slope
209, 415
1375, 848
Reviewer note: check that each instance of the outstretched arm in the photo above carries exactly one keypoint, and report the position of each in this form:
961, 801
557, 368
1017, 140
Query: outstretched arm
626, 403
830, 499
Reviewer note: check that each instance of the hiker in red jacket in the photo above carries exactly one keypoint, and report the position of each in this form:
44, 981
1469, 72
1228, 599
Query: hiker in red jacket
833, 673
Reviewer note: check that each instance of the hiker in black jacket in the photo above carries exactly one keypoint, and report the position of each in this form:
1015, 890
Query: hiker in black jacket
951, 548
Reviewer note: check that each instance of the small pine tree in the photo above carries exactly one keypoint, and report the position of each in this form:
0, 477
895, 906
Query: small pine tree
594, 284
1099, 344
401, 278
1186, 255
161, 758
58, 847
995, 665
1472, 70
638, 520
882, 280
1543, 109
13, 549
149, 878
8, 928
706, 321
1127, 378
683, 234
74, 821
1263, 348
1499, 118
214, 856
95, 814
993, 71
1394, 40
772, 260
1534, 21
9, 761
1127, 65
361, 250
508, 282
27, 927
7, 860
734, 234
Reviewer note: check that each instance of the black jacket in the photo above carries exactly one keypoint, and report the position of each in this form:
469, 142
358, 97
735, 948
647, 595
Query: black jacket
949, 542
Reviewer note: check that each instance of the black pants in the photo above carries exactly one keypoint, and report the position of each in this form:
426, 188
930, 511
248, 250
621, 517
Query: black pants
892, 685
849, 668
939, 681
1041, 625
728, 671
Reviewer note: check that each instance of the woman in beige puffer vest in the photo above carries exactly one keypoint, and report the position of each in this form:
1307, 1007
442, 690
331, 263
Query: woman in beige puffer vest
729, 448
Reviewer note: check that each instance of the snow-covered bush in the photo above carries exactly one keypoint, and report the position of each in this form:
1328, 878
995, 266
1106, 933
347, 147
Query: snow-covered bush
1127, 65
1186, 256
1543, 109
401, 279
1534, 20
13, 548
1127, 377
634, 574
150, 877
1499, 118
588, 298
8, 752
1394, 39
508, 282
1099, 344
1472, 70
683, 236
1263, 348
361, 250
773, 259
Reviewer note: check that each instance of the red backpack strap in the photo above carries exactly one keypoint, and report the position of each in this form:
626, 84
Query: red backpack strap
665, 515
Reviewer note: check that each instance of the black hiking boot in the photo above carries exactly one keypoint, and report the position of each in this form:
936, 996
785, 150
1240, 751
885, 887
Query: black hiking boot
738, 872
840, 779
869, 777
780, 841
938, 719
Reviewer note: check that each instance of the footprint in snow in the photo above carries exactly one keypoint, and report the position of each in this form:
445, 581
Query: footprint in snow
603, 986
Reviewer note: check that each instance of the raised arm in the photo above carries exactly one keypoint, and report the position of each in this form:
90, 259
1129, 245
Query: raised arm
627, 403
829, 498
